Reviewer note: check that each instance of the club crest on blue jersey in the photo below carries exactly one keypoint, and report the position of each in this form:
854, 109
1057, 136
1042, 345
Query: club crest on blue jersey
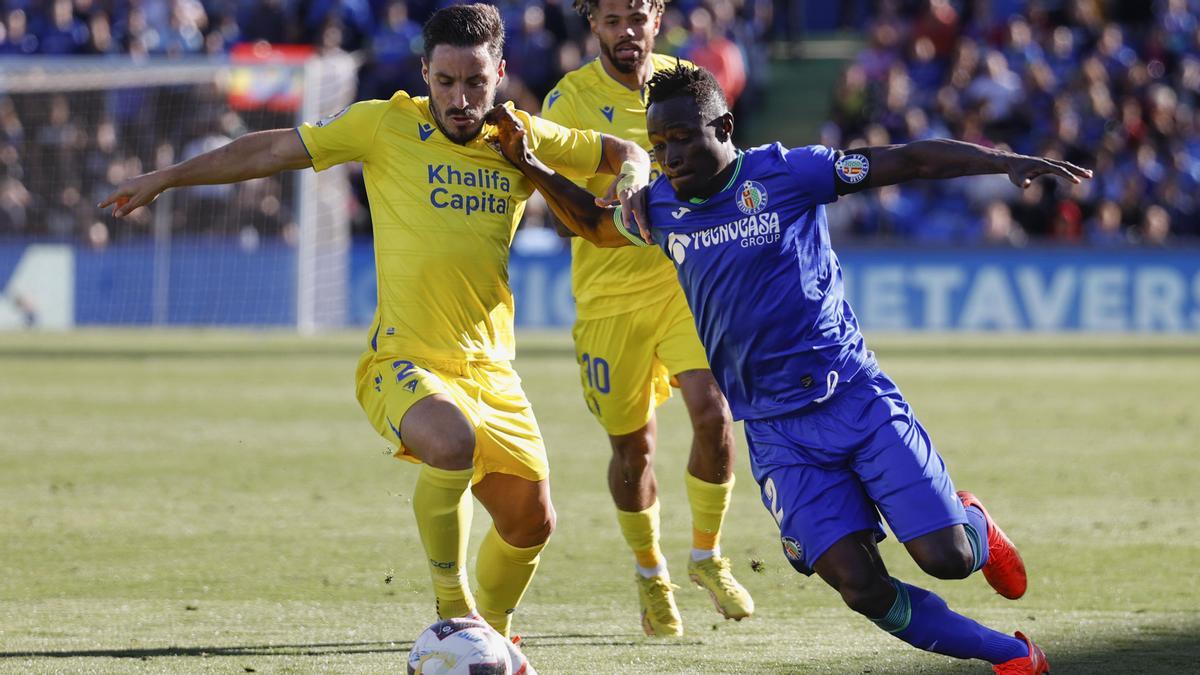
751, 197
852, 169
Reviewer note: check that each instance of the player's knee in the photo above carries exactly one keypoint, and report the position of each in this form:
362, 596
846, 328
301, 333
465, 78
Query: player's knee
948, 563
533, 530
871, 596
452, 451
712, 421
633, 453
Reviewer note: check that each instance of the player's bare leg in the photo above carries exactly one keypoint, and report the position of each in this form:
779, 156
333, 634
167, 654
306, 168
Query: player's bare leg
710, 487
437, 433
634, 489
958, 551
522, 521
631, 479
944, 553
852, 566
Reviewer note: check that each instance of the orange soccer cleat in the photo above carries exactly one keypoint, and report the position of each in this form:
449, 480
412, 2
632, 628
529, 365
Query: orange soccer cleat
1034, 664
1004, 571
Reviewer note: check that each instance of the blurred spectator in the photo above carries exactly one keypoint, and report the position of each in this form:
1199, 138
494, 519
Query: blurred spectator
1105, 228
14, 38
706, 47
999, 228
396, 51
63, 34
1156, 226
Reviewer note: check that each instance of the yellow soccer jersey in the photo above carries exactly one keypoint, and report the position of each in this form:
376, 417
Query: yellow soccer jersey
444, 216
609, 281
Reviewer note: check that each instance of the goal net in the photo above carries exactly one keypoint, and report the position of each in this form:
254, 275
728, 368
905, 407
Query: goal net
267, 252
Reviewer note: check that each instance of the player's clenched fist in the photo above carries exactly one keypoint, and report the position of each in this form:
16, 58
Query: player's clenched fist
509, 137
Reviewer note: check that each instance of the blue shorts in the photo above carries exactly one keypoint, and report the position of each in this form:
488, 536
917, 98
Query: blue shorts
831, 470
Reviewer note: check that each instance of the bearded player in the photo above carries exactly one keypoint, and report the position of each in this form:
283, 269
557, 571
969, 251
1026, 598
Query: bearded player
436, 378
833, 444
635, 337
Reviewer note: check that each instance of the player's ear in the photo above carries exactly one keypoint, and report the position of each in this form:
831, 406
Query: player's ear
500, 70
657, 22
724, 126
424, 70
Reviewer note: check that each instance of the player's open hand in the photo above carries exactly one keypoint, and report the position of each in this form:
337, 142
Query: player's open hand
509, 136
1023, 169
134, 193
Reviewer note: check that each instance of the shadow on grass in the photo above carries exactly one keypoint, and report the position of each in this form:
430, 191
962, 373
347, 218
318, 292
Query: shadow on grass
314, 649
1156, 650
334, 648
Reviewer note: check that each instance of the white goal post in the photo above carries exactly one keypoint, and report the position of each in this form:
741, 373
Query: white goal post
124, 115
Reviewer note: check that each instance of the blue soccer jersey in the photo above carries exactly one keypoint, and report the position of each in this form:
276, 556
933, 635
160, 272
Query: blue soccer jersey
764, 285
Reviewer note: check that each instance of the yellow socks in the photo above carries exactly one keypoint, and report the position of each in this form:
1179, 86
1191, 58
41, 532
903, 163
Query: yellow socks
442, 505
503, 572
709, 503
640, 529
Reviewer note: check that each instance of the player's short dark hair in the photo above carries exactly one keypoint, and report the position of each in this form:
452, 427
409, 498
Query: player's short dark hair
465, 26
586, 8
688, 81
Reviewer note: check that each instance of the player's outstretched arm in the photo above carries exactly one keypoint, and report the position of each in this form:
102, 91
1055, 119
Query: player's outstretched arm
262, 153
574, 207
945, 158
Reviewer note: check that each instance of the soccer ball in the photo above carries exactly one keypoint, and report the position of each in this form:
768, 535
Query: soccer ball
460, 647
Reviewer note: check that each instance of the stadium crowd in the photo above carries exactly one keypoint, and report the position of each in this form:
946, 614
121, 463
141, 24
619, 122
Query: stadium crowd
59, 153
1095, 82
1113, 86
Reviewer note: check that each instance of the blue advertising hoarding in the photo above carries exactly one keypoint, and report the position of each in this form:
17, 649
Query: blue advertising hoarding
914, 289
902, 289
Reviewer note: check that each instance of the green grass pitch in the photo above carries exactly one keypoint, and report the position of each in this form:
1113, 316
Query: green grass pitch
215, 502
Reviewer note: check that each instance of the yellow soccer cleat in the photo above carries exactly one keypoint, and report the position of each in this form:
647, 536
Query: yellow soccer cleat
660, 616
731, 599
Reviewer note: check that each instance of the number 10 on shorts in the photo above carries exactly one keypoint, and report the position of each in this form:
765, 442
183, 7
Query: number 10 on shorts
596, 370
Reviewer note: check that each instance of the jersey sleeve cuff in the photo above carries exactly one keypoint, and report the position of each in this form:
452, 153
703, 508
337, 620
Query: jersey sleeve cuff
634, 238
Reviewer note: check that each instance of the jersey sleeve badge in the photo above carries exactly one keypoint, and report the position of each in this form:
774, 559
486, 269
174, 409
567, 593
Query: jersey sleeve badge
852, 169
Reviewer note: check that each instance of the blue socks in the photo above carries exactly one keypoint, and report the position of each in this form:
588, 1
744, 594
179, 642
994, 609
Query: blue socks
923, 620
976, 528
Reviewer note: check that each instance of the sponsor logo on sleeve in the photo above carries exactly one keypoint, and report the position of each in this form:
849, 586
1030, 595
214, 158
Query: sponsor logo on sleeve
554, 96
332, 117
852, 169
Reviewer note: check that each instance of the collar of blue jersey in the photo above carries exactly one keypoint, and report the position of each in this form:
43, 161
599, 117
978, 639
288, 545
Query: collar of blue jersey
737, 169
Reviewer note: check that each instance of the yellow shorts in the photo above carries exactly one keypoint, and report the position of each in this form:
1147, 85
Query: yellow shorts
627, 362
507, 438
